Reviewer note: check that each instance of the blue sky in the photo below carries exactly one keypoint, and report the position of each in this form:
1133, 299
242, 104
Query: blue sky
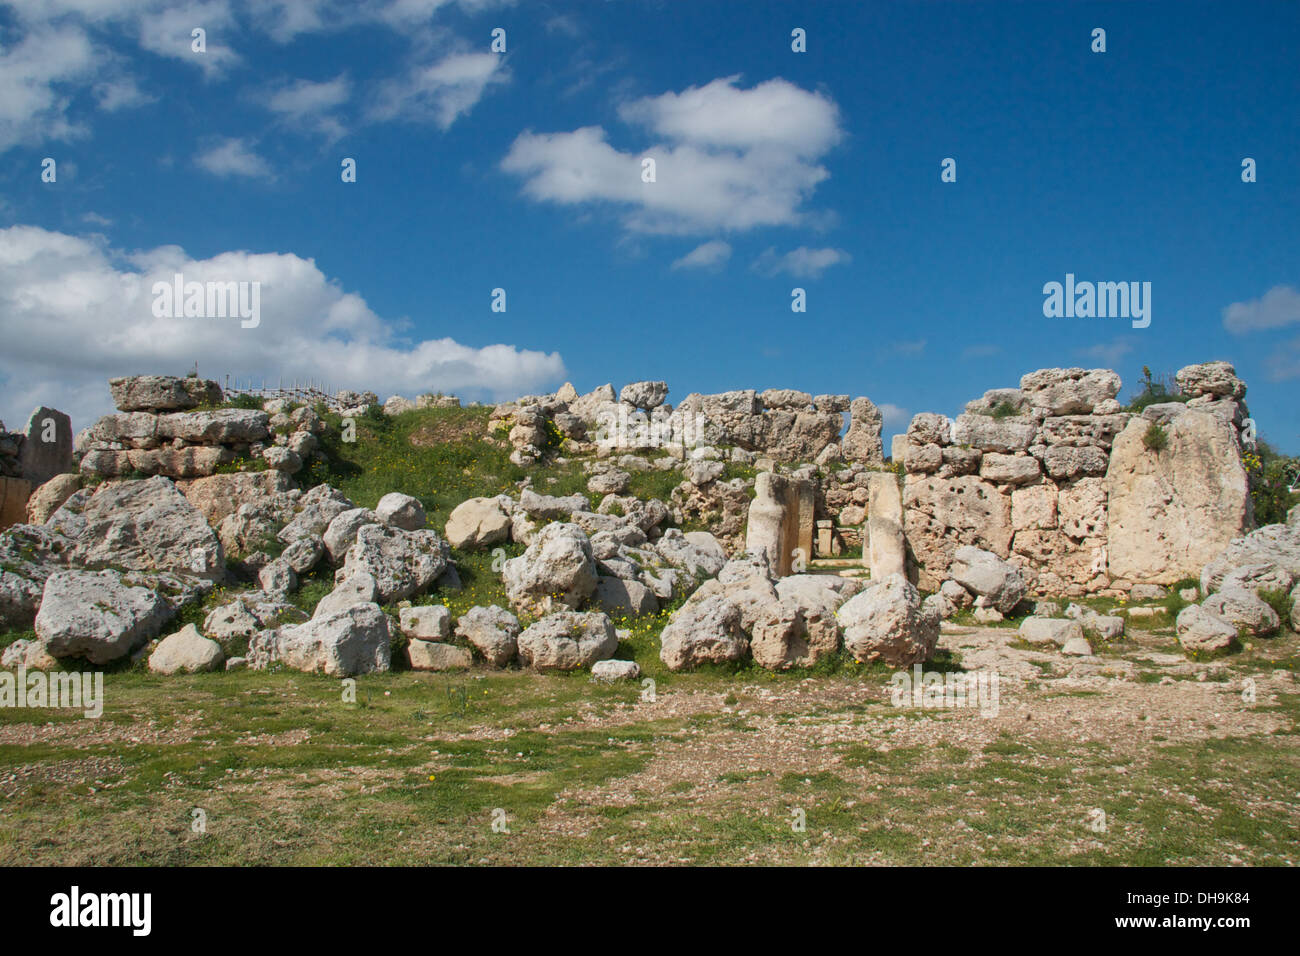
522, 171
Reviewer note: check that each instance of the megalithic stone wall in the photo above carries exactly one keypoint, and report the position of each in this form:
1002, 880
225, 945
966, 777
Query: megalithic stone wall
1057, 478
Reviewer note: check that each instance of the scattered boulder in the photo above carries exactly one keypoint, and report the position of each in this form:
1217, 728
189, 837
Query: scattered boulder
887, 623
706, 630
557, 569
984, 574
478, 523
401, 511
435, 656
350, 588
29, 655
492, 631
644, 395
1243, 610
402, 563
1200, 631
96, 615
625, 597
352, 641
1050, 630
186, 652
611, 670
430, 622
49, 497
145, 525
567, 640
342, 531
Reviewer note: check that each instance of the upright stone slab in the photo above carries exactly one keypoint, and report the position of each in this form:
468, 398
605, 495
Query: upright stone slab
47, 449
765, 528
1172, 511
885, 552
781, 520
14, 493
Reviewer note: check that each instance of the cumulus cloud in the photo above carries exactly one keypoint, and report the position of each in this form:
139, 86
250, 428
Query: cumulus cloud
442, 91
121, 93
233, 157
1280, 306
802, 263
726, 158
708, 255
37, 74
311, 105
74, 313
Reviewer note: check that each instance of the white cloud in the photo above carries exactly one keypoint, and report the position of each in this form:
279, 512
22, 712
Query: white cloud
708, 255
120, 94
894, 416
233, 157
440, 92
74, 313
775, 114
751, 164
37, 74
310, 104
1279, 307
803, 263
1108, 353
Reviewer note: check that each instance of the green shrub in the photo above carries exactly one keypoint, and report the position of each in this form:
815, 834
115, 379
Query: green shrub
1279, 601
1271, 478
1156, 438
1155, 391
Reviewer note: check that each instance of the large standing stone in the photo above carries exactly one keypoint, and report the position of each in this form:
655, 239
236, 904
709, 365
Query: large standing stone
14, 496
47, 449
886, 551
1172, 511
942, 514
94, 614
780, 520
862, 442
